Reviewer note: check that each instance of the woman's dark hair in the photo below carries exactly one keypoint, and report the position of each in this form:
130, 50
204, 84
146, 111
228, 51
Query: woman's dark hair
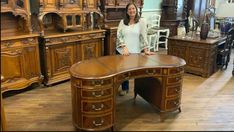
127, 17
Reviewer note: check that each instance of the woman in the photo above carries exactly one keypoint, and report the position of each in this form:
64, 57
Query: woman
131, 37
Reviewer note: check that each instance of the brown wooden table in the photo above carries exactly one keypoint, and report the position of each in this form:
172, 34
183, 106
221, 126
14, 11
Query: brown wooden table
95, 83
200, 55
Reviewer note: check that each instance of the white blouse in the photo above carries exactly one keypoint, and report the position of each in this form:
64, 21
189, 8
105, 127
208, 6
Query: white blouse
134, 37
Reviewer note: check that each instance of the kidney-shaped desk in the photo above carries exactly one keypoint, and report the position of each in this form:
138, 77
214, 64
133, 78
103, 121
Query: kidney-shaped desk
95, 82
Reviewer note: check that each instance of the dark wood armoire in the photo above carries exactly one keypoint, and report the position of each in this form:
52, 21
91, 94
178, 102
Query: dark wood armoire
174, 13
20, 65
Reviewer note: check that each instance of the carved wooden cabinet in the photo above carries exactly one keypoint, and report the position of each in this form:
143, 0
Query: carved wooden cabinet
60, 51
199, 55
20, 64
95, 83
173, 14
70, 32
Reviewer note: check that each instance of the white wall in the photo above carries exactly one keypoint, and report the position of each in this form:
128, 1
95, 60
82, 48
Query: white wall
151, 7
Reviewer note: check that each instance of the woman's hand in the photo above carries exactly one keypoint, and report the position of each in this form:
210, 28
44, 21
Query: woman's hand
125, 51
147, 52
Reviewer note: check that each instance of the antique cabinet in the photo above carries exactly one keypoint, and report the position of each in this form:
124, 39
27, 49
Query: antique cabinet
70, 32
173, 14
59, 51
200, 55
20, 65
114, 11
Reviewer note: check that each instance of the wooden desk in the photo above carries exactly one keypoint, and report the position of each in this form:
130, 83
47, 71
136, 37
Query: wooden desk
95, 82
200, 55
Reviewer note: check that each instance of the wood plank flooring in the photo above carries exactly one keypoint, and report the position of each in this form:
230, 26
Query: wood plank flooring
207, 104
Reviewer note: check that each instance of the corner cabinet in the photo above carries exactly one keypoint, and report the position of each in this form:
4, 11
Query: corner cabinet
20, 65
60, 51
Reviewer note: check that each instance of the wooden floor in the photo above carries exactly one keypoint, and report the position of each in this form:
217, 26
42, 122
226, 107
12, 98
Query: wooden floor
207, 104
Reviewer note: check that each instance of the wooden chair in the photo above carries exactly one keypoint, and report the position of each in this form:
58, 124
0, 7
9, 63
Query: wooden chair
224, 51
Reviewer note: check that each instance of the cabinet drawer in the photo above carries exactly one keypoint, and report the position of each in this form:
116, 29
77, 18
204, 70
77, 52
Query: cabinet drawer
176, 70
97, 122
174, 90
174, 79
97, 93
172, 103
93, 107
97, 83
18, 42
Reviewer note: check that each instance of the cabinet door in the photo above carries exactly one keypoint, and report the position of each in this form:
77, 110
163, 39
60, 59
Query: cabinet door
90, 49
12, 65
31, 62
196, 57
59, 59
179, 51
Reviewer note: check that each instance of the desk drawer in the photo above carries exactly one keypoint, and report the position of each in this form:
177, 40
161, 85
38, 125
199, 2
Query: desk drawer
142, 73
175, 70
173, 91
97, 122
96, 93
97, 83
172, 103
174, 80
93, 107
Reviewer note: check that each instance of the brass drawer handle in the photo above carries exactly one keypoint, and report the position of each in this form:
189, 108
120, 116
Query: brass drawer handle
98, 95
177, 78
97, 109
98, 124
150, 72
177, 90
176, 103
98, 83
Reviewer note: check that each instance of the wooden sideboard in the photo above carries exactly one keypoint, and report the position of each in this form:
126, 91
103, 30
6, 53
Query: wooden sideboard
20, 65
200, 55
95, 82
60, 50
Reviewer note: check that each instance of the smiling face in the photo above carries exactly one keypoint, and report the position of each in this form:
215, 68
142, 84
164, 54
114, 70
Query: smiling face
131, 11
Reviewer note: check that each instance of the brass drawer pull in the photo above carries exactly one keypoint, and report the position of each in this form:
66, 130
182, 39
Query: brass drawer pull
177, 78
150, 72
97, 109
176, 103
177, 90
98, 95
98, 83
98, 124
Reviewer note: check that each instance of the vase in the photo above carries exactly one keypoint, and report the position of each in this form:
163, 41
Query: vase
204, 30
